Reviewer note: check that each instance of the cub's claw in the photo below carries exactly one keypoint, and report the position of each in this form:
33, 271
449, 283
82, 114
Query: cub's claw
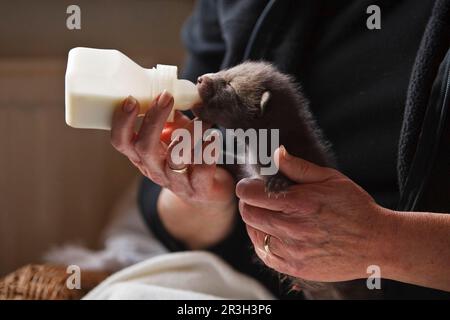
276, 185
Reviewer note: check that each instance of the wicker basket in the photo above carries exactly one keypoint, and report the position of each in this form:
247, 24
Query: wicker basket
46, 282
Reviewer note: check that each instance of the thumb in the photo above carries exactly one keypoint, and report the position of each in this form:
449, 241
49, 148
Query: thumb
300, 170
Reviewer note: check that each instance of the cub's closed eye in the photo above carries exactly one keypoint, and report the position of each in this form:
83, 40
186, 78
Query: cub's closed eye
230, 86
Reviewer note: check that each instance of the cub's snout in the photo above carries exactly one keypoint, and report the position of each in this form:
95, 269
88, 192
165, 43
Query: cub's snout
205, 86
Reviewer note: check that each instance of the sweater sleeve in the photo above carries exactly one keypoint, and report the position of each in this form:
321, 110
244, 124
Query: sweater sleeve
235, 249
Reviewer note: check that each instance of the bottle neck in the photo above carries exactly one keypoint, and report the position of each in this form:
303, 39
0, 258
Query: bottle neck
161, 78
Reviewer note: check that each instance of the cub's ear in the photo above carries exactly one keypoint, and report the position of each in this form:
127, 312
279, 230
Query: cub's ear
264, 101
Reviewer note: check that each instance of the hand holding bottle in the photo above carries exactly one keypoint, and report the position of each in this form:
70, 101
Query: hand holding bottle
197, 205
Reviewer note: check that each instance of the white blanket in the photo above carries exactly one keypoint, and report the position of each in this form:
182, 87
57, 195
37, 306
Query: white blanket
146, 270
184, 275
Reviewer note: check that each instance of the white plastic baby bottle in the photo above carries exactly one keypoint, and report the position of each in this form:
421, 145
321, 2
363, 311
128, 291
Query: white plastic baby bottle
98, 80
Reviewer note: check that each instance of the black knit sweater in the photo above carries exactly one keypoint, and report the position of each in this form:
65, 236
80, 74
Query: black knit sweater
368, 89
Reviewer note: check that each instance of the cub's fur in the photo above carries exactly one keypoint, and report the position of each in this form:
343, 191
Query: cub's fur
256, 95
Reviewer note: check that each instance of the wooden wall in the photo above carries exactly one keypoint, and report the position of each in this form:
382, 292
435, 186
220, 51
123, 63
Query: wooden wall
57, 184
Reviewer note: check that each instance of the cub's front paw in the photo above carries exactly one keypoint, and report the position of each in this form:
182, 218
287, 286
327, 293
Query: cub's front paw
277, 184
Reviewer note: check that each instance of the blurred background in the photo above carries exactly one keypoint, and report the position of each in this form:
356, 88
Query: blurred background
58, 184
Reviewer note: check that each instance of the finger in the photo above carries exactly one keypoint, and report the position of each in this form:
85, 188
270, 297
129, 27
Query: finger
203, 175
252, 191
268, 221
300, 170
148, 140
192, 136
179, 121
122, 128
195, 127
179, 182
179, 152
148, 145
277, 254
198, 178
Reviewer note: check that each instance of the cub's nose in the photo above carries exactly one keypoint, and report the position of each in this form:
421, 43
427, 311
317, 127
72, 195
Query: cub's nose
205, 86
204, 79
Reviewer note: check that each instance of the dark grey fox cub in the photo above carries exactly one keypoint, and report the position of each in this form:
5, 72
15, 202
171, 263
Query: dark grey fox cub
256, 95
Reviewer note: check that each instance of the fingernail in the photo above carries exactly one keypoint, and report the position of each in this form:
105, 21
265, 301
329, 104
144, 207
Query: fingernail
129, 104
284, 152
165, 99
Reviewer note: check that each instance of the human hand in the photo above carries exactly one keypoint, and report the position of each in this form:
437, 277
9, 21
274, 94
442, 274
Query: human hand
325, 228
201, 183
203, 194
